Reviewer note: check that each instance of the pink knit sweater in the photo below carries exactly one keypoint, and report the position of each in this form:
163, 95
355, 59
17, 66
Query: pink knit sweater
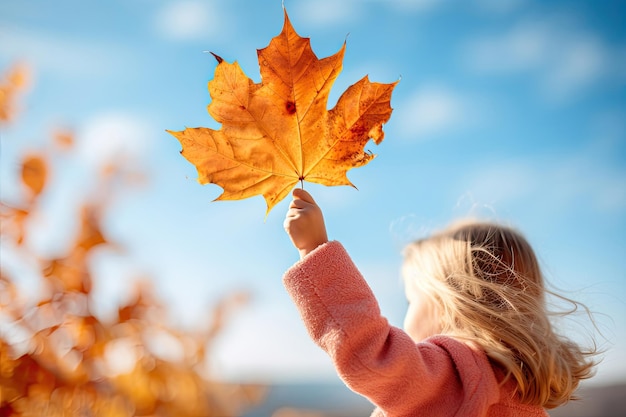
438, 377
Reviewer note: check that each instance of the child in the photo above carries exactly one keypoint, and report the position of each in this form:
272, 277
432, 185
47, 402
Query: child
477, 339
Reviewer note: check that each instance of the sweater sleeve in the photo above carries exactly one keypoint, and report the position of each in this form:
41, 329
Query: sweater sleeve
374, 359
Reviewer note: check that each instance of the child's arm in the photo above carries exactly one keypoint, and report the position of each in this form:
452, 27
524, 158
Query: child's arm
377, 360
304, 223
342, 316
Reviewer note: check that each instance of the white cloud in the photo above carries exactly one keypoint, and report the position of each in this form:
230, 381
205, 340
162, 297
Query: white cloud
432, 110
581, 63
326, 12
499, 6
107, 137
189, 20
524, 47
333, 11
507, 182
413, 5
559, 182
565, 58
64, 55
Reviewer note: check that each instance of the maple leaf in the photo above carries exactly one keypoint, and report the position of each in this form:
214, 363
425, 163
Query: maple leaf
279, 132
34, 172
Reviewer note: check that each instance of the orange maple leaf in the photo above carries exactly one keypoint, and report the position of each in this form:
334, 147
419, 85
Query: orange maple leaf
34, 173
279, 132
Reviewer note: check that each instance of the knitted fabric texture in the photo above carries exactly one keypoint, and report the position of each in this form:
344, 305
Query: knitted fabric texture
439, 376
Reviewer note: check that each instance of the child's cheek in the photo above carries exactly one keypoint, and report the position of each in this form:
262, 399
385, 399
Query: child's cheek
420, 321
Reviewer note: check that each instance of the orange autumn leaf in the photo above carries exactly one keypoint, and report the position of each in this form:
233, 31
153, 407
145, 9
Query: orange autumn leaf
90, 234
279, 132
12, 83
63, 139
34, 173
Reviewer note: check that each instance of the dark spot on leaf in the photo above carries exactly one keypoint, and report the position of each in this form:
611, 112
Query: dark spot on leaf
290, 106
358, 130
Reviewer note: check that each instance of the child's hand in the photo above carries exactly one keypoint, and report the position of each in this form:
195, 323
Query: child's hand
304, 223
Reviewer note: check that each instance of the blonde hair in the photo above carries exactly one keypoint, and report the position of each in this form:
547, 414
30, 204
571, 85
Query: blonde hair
485, 283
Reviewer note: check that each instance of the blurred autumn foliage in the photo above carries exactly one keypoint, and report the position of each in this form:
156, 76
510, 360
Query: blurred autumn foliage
13, 82
57, 357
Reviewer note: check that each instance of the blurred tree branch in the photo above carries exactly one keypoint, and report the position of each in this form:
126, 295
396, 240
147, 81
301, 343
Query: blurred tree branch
57, 357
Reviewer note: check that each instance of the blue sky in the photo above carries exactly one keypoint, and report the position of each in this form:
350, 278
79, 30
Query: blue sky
506, 109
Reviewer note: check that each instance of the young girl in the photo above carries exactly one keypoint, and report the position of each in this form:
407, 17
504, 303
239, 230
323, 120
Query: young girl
477, 339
